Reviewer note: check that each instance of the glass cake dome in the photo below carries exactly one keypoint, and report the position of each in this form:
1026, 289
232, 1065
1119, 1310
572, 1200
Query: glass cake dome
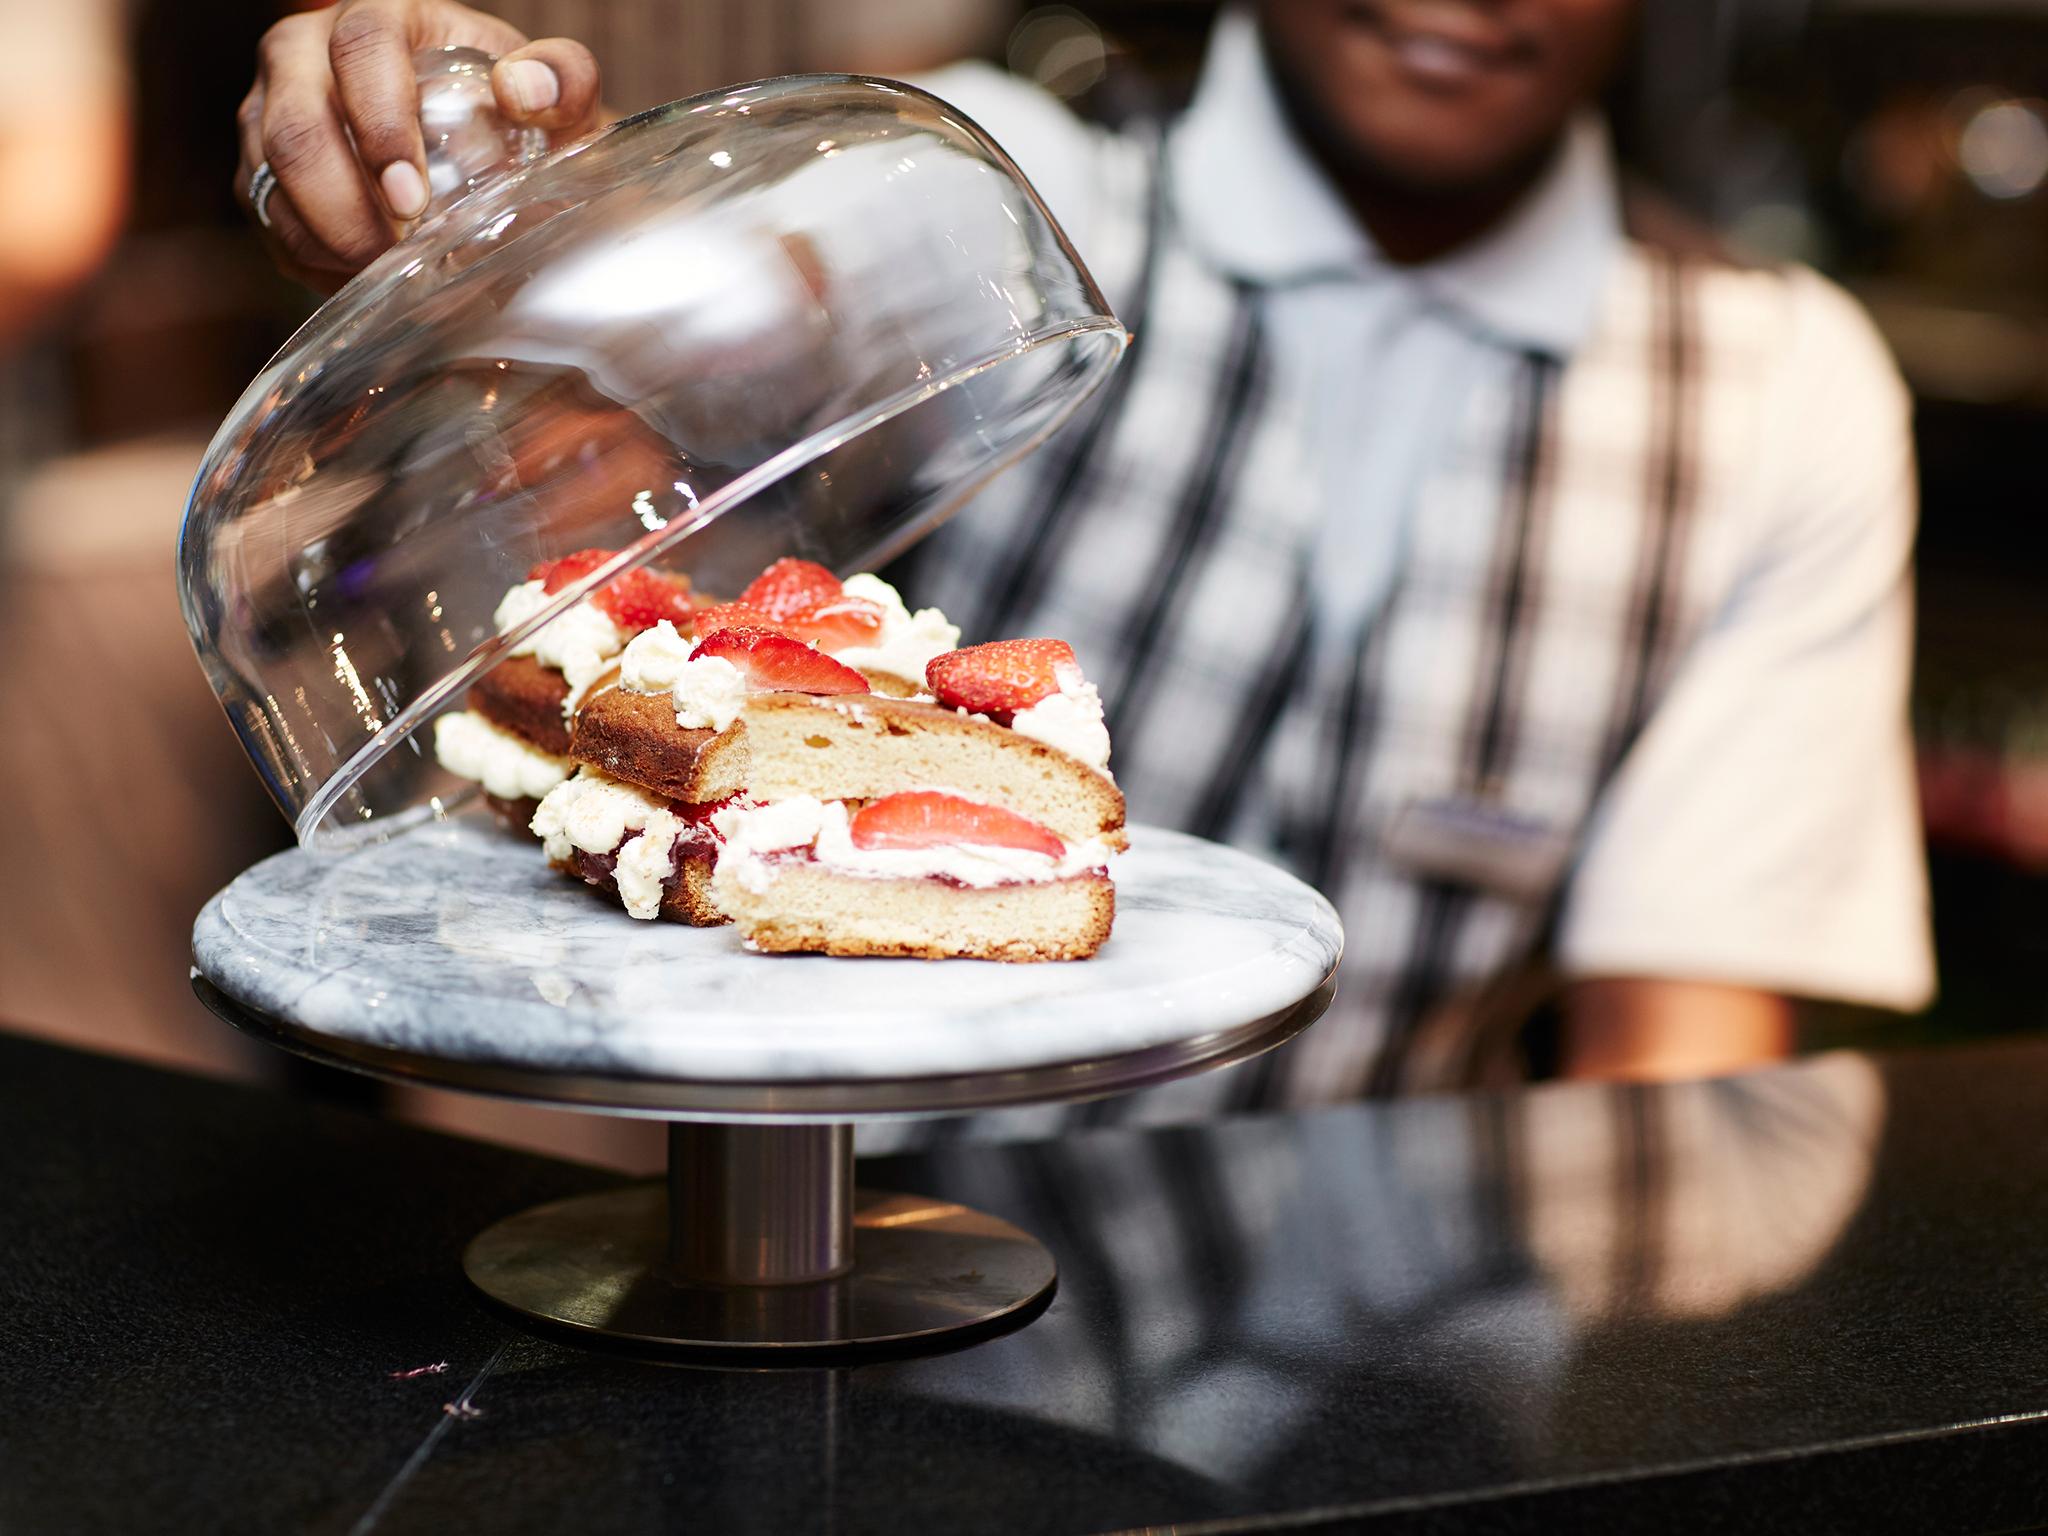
808, 316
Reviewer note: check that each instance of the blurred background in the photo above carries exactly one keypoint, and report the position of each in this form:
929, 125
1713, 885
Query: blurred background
1900, 145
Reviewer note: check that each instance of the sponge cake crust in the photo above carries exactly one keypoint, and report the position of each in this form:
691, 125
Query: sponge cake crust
524, 697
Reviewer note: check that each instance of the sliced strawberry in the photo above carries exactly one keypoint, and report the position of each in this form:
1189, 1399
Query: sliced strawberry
553, 575
789, 587
839, 622
738, 616
638, 600
999, 678
773, 663
642, 599
926, 818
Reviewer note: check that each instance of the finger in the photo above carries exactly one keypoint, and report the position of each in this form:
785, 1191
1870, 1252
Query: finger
370, 52
249, 136
249, 146
551, 84
306, 144
299, 252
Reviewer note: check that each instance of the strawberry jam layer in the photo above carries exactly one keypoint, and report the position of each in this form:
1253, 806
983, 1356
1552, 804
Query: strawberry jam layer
699, 836
809, 856
700, 812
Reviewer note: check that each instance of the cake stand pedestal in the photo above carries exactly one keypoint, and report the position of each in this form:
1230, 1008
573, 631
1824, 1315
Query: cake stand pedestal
751, 1244
447, 958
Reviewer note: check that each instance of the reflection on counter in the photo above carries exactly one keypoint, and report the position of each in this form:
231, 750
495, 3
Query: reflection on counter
1450, 1255
1762, 1305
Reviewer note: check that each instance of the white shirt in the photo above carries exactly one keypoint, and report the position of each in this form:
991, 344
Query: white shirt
1764, 832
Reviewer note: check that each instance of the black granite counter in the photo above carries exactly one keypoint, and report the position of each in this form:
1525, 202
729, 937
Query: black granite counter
1813, 1299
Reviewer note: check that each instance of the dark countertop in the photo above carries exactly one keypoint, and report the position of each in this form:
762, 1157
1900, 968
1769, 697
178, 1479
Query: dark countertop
1813, 1299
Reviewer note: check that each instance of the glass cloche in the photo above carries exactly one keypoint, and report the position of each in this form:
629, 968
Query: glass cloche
804, 317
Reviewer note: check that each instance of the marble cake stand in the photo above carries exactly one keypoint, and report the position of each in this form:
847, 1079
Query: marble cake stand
451, 956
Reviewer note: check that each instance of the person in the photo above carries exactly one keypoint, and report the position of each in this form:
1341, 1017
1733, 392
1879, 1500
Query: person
1508, 560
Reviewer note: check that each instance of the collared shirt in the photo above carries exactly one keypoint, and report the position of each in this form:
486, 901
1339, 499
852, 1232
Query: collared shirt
1761, 828
1384, 354
1387, 355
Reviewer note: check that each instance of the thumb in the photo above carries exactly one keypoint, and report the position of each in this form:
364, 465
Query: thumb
552, 84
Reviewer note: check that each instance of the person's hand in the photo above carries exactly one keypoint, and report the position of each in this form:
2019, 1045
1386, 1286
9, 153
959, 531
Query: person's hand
322, 76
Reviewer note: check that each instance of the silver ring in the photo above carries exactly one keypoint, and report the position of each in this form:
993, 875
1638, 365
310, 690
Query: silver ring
262, 182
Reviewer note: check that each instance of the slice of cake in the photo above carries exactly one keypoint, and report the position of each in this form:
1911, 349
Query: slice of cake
977, 825
812, 759
769, 751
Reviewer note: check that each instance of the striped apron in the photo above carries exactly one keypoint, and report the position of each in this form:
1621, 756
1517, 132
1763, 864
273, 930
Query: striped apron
1433, 770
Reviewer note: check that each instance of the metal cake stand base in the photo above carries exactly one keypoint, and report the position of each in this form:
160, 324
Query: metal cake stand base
450, 958
759, 1246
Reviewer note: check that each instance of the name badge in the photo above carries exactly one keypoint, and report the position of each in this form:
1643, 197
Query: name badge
1469, 842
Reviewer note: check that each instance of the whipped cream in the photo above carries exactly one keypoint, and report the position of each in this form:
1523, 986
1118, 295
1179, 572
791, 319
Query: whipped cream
1070, 720
595, 813
776, 827
709, 692
642, 872
907, 642
754, 835
471, 747
579, 643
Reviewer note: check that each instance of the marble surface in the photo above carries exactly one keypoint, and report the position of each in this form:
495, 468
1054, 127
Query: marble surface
457, 941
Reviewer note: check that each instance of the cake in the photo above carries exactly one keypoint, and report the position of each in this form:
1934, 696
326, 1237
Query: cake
513, 738
920, 873
817, 764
